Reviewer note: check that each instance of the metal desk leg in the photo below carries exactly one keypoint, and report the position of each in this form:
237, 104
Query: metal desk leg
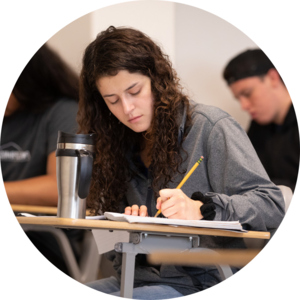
225, 271
64, 245
145, 243
128, 264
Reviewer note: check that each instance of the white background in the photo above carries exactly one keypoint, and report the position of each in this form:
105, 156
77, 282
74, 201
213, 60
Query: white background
26, 25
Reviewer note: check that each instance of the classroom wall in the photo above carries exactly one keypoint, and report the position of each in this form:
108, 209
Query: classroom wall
155, 18
71, 41
204, 43
199, 44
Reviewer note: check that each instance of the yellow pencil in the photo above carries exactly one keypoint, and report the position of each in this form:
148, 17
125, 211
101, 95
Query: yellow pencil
185, 178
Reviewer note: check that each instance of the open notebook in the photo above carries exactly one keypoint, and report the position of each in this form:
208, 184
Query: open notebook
231, 225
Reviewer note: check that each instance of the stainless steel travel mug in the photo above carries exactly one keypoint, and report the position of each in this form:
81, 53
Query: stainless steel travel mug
74, 165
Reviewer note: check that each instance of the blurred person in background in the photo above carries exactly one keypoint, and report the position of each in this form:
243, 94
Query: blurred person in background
257, 85
43, 101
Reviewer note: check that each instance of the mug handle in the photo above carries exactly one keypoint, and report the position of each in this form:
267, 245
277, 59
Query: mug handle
85, 168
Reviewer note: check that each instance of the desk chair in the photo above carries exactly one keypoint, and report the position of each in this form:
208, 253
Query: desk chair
232, 257
87, 268
287, 196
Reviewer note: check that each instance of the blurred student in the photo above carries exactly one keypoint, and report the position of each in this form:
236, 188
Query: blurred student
43, 101
256, 84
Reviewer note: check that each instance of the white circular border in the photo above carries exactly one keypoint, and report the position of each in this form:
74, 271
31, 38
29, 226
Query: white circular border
26, 25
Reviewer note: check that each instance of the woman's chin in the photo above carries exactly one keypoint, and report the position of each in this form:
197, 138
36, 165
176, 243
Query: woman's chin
139, 129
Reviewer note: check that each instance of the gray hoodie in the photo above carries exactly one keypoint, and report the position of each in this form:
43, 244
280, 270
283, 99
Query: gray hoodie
230, 173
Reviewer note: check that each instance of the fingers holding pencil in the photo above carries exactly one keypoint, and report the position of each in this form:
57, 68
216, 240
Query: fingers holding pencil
175, 204
181, 183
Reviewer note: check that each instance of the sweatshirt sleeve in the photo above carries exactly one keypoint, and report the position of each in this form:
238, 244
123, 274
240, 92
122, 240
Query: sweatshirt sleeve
242, 188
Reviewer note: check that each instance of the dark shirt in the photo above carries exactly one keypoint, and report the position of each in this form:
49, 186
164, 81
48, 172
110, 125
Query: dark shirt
27, 139
277, 146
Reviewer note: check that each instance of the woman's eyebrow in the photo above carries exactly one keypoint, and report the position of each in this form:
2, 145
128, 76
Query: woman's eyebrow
124, 91
131, 86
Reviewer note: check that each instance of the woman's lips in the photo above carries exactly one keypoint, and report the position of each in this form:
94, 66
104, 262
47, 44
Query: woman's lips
135, 119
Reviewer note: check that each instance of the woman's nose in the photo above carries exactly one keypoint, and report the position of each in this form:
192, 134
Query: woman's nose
128, 105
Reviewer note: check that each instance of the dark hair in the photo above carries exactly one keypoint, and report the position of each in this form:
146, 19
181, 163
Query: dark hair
44, 80
128, 49
253, 62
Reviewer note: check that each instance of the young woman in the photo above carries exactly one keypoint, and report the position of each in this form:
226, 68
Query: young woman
149, 134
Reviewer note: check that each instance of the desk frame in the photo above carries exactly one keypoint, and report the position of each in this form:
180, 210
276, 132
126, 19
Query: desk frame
146, 243
146, 238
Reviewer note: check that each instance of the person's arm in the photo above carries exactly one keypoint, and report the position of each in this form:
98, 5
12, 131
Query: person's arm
242, 188
40, 190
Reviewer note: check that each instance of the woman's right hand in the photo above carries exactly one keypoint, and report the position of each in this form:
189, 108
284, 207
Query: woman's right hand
134, 210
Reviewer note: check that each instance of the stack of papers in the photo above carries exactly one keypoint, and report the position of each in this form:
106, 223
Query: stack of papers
228, 225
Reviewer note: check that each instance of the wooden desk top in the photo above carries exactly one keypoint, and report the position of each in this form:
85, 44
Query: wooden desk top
113, 225
35, 209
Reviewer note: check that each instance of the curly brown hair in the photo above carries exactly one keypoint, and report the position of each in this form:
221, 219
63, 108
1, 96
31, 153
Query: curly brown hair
113, 50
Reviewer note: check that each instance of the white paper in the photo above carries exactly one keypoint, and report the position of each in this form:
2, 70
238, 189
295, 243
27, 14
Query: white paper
27, 215
230, 225
102, 217
30, 215
106, 240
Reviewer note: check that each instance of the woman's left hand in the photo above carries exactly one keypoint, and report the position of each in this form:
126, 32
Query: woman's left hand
174, 204
135, 210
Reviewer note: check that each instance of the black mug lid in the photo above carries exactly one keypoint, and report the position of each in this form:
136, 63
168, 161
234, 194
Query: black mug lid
64, 137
